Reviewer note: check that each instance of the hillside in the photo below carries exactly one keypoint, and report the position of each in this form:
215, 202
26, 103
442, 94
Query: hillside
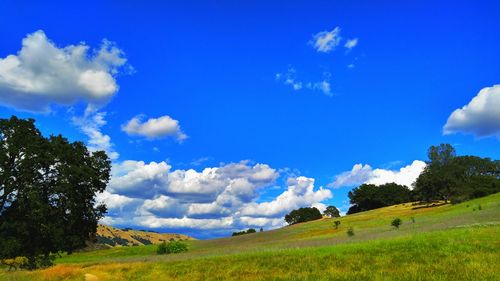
447, 242
112, 236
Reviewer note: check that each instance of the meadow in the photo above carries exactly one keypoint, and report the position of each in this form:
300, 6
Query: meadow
447, 242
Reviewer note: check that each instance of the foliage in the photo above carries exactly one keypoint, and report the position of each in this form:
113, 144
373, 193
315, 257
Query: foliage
303, 215
456, 178
396, 222
369, 196
250, 230
15, 263
47, 192
172, 247
332, 211
350, 232
337, 224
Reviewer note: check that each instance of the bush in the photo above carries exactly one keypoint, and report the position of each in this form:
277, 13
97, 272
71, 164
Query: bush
350, 232
396, 222
172, 247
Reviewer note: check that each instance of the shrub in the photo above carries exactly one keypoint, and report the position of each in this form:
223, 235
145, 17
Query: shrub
350, 232
396, 222
337, 223
412, 219
172, 247
479, 207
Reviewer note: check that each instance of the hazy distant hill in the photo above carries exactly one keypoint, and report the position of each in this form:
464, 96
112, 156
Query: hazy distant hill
112, 236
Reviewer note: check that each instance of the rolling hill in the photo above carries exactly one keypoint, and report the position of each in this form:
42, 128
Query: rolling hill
112, 236
447, 242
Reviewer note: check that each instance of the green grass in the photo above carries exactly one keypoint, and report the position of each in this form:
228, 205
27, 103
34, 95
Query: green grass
450, 242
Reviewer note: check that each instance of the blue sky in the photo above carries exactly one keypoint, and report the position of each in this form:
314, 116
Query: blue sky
269, 98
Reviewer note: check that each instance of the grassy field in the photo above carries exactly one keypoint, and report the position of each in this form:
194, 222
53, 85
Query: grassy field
449, 242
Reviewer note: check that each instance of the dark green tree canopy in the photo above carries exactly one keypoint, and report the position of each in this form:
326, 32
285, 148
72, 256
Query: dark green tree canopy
303, 215
332, 211
369, 196
47, 191
451, 177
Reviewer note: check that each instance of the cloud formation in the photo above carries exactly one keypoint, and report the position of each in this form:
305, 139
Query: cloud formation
41, 74
154, 128
90, 124
351, 43
154, 195
289, 78
366, 174
480, 117
326, 41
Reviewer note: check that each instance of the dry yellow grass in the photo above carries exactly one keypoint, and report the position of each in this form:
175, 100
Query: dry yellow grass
136, 237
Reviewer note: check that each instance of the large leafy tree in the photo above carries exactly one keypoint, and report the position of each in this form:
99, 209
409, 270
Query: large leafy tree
47, 192
369, 196
303, 215
451, 177
332, 212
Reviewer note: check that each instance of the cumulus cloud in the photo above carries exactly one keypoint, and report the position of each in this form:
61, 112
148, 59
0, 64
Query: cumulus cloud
351, 43
138, 179
326, 41
113, 201
480, 117
154, 128
300, 193
41, 74
224, 197
90, 124
366, 174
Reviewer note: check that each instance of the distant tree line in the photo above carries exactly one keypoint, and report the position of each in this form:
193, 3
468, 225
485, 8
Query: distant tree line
250, 230
446, 177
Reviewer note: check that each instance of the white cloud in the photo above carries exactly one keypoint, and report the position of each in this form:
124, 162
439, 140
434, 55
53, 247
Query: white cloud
324, 86
138, 179
90, 124
41, 74
154, 128
113, 201
289, 78
224, 197
326, 41
300, 193
366, 174
351, 43
185, 222
480, 117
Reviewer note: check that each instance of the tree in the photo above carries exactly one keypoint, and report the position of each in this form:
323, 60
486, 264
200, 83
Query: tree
332, 212
303, 215
456, 178
250, 230
337, 223
369, 196
396, 222
441, 154
47, 192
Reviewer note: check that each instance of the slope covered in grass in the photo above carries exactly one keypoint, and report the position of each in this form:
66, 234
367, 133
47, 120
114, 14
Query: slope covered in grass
449, 242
